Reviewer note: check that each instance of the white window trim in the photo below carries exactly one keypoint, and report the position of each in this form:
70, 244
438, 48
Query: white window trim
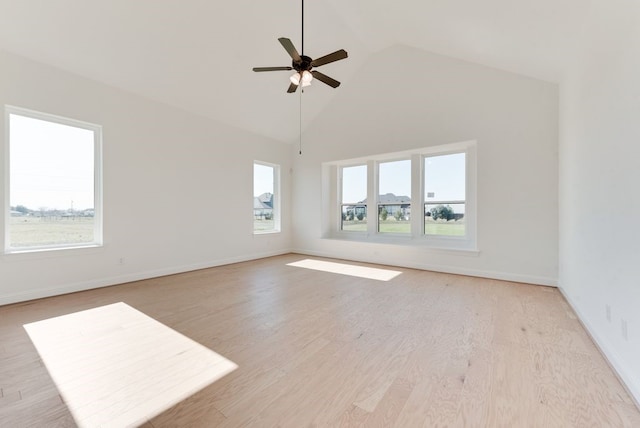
417, 237
376, 203
340, 200
277, 221
97, 179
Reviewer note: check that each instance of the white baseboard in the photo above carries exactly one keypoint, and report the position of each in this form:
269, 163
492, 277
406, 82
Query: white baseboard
121, 279
138, 276
628, 381
504, 276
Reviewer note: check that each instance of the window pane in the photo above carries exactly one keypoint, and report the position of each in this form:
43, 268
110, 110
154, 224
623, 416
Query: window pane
354, 184
52, 183
394, 218
354, 218
444, 178
263, 198
394, 200
444, 220
354, 199
444, 195
395, 178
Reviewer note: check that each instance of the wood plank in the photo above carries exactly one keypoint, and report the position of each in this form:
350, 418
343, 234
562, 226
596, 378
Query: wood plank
319, 348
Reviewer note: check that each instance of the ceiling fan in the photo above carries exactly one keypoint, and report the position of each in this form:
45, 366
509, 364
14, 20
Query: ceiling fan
303, 64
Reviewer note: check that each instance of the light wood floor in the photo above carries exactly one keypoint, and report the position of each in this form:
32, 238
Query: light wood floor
323, 349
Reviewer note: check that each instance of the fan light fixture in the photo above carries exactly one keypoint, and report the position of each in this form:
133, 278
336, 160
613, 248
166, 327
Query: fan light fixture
305, 77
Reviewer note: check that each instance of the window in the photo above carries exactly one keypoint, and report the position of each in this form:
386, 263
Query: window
436, 184
354, 199
266, 204
444, 195
394, 199
53, 181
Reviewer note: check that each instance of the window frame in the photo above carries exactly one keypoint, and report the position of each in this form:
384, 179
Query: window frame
98, 238
341, 203
277, 221
380, 204
424, 202
417, 236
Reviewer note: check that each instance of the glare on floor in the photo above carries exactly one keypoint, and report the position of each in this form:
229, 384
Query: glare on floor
115, 366
347, 269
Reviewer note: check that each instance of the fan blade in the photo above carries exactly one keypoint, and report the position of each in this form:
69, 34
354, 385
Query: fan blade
292, 88
336, 56
271, 68
291, 50
325, 79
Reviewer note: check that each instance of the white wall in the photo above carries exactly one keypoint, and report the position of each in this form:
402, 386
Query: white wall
177, 187
599, 178
404, 98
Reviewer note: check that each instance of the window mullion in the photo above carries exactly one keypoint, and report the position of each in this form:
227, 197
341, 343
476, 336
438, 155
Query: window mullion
417, 205
372, 198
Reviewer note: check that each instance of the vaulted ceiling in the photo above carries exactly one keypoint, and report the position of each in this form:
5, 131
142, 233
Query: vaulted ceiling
197, 54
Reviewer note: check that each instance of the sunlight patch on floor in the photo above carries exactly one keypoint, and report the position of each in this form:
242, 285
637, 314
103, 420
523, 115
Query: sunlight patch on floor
115, 366
346, 269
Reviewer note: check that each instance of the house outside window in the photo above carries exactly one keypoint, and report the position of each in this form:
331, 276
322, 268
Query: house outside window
353, 204
394, 198
266, 188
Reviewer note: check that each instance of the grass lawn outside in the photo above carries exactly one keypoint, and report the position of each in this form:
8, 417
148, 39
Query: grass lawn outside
263, 225
444, 228
354, 225
439, 228
42, 231
394, 226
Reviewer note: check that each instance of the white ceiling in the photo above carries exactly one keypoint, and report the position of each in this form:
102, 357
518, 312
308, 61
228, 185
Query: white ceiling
198, 54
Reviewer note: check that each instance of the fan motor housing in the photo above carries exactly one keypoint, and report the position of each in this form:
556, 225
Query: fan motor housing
304, 64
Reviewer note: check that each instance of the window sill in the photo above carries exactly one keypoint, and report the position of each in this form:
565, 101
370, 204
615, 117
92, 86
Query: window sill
52, 252
267, 232
450, 245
